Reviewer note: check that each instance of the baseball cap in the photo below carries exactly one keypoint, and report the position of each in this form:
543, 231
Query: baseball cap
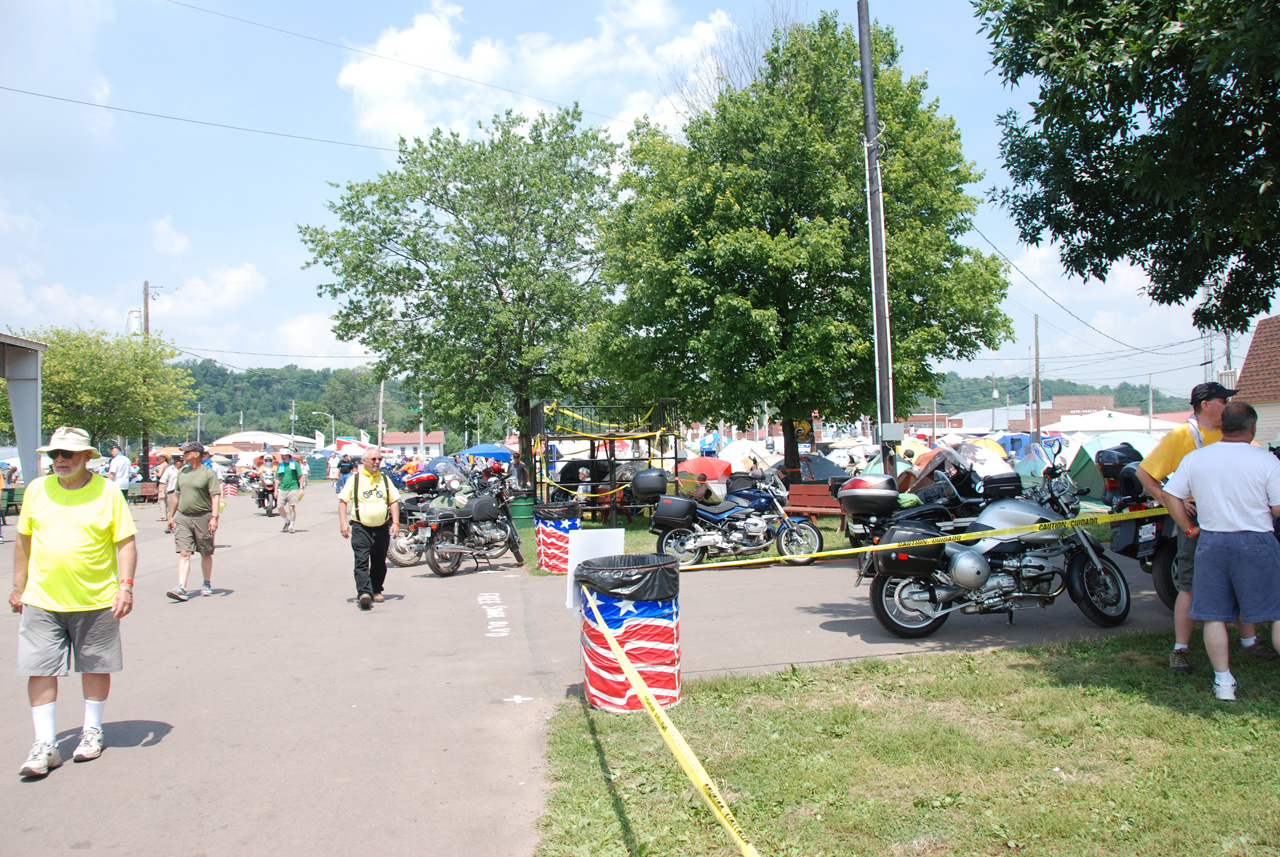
192, 445
1212, 390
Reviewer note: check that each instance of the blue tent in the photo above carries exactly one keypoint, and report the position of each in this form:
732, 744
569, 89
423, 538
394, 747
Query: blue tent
489, 450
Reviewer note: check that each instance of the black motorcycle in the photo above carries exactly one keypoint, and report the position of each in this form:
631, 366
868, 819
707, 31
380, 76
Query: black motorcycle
1153, 541
264, 493
481, 529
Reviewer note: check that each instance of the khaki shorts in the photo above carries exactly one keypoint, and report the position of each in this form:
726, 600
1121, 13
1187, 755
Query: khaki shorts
290, 498
191, 534
47, 640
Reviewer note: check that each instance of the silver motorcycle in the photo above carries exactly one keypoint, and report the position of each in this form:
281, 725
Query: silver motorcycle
916, 588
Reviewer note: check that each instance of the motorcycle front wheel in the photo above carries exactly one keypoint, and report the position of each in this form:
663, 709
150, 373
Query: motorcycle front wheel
513, 542
403, 552
443, 563
673, 543
1105, 600
799, 540
898, 617
1162, 573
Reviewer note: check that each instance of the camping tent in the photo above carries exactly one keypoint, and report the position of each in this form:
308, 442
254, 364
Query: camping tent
1085, 472
1103, 422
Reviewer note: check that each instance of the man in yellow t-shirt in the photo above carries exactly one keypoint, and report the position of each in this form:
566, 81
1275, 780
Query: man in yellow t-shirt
72, 582
1202, 429
373, 522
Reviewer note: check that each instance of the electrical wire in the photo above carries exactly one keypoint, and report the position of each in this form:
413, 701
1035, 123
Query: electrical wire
198, 121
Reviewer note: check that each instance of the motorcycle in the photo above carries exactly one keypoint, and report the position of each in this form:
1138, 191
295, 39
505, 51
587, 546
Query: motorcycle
916, 588
1153, 542
690, 531
479, 526
264, 493
409, 547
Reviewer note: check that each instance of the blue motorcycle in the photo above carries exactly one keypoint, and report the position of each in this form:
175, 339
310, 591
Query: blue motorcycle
751, 518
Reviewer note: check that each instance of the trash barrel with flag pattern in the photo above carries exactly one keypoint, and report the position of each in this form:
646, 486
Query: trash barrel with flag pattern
638, 596
553, 522
229, 489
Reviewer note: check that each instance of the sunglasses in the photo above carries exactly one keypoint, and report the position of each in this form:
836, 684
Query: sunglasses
375, 458
61, 453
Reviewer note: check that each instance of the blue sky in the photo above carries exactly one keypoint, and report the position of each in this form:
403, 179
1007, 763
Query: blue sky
94, 201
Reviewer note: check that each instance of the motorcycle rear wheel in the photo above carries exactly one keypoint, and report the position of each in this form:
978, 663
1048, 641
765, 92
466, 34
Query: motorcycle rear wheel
672, 543
1105, 600
798, 540
896, 618
1162, 573
403, 553
443, 563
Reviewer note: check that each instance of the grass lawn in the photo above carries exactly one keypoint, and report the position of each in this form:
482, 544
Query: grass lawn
1087, 748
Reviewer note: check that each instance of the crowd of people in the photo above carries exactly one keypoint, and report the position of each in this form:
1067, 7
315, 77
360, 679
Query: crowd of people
75, 554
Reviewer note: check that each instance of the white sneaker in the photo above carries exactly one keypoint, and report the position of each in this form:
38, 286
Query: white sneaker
90, 746
43, 759
1226, 692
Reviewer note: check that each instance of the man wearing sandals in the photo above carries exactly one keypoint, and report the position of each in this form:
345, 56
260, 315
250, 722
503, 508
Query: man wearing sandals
73, 570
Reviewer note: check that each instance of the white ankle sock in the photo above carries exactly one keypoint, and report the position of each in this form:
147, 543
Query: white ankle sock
1182, 646
1246, 642
45, 719
93, 713
1223, 679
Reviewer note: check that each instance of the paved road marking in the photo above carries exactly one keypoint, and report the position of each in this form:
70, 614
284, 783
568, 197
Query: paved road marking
496, 612
517, 699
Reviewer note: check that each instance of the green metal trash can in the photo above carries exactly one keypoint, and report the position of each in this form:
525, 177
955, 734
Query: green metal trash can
522, 508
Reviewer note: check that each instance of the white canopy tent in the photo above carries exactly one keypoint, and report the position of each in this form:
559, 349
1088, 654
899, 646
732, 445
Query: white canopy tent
1102, 422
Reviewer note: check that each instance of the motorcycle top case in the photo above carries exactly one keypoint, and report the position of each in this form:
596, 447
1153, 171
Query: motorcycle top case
1112, 461
648, 485
673, 511
635, 577
422, 483
870, 494
1002, 486
918, 560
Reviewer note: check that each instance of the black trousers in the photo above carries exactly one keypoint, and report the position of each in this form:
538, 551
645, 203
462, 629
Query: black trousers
370, 546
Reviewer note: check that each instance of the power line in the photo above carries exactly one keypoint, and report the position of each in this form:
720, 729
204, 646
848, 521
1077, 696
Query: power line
270, 354
198, 121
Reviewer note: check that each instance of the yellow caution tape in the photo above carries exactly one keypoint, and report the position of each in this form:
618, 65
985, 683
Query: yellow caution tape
557, 408
675, 741
961, 537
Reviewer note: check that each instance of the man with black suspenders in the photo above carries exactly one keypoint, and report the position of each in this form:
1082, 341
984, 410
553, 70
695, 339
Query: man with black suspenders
374, 520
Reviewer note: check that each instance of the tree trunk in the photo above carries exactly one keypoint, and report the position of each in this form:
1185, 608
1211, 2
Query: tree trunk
791, 450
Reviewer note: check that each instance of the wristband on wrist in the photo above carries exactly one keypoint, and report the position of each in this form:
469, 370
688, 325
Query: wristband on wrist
1189, 529
127, 580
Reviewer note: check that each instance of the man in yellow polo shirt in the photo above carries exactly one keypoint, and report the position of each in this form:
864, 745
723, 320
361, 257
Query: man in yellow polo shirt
373, 522
72, 582
1202, 429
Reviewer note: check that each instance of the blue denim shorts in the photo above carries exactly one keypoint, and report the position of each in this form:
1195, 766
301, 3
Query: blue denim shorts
1237, 576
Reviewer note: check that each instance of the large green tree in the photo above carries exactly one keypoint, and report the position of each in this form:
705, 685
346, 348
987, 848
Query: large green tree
744, 249
110, 385
473, 268
1155, 137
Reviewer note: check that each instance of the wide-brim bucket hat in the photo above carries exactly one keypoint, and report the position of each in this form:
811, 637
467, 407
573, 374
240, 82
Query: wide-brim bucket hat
68, 439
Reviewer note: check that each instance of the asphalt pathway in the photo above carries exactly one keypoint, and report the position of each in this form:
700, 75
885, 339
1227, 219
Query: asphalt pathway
276, 718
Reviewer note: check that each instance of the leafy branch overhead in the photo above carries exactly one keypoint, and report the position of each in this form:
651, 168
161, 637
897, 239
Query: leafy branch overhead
1153, 139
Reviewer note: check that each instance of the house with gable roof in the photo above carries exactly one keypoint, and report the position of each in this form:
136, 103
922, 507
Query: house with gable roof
1259, 383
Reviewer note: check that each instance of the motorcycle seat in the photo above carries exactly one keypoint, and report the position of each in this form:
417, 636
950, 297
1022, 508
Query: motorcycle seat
454, 515
719, 508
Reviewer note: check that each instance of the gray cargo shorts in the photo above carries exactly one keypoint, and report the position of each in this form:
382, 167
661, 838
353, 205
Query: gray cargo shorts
47, 640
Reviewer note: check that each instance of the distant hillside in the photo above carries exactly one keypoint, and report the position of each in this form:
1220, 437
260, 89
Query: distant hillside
974, 394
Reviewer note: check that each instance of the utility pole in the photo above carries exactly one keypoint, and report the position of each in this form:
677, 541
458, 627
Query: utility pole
1151, 403
146, 341
382, 386
198, 422
422, 437
995, 397
875, 218
1035, 434
293, 420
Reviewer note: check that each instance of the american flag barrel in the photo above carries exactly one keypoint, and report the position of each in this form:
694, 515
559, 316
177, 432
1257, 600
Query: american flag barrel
552, 523
648, 631
229, 489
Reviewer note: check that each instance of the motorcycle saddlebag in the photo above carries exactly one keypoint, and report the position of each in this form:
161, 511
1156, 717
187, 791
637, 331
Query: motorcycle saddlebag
422, 483
912, 561
648, 485
673, 511
869, 494
1002, 486
482, 508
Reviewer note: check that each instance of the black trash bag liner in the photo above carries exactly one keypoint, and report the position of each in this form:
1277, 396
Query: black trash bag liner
636, 577
557, 511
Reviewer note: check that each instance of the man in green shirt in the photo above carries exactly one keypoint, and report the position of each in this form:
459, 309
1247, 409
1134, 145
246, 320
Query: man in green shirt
291, 481
194, 508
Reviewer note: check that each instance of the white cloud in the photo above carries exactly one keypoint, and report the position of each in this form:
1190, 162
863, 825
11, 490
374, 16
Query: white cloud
635, 42
166, 239
312, 334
